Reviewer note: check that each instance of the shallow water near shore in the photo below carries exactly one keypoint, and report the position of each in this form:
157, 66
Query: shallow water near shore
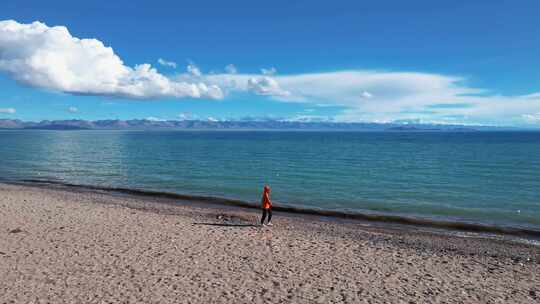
488, 178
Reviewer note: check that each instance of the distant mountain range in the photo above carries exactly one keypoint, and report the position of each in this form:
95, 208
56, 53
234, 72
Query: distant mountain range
145, 124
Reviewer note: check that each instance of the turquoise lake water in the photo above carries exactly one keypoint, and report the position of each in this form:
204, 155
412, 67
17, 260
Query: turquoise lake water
483, 177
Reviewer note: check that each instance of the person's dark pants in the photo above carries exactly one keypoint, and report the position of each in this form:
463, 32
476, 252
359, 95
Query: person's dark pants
265, 212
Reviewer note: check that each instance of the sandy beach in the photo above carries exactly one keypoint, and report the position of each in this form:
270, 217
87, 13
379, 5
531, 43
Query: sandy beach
73, 246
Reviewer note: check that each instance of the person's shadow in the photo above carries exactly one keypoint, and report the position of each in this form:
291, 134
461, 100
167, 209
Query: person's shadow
225, 225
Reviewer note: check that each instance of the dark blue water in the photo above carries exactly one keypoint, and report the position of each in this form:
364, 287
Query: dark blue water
485, 177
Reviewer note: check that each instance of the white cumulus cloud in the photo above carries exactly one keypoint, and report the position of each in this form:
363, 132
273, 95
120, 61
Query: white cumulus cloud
73, 109
51, 58
8, 110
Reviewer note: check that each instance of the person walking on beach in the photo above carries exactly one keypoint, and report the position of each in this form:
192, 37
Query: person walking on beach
266, 206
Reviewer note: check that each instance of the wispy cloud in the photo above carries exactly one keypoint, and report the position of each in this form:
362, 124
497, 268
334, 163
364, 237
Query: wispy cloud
269, 72
266, 86
366, 94
532, 118
449, 105
8, 110
186, 116
167, 63
73, 109
152, 118
370, 95
194, 70
51, 58
231, 69
310, 118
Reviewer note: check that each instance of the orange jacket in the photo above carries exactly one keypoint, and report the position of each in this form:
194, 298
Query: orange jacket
266, 203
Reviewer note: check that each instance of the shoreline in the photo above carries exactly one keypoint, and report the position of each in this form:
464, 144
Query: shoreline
451, 226
90, 246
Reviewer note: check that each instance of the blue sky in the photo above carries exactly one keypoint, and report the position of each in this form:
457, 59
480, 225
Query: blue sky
471, 62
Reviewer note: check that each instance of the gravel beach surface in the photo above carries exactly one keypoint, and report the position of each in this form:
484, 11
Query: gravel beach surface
60, 245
